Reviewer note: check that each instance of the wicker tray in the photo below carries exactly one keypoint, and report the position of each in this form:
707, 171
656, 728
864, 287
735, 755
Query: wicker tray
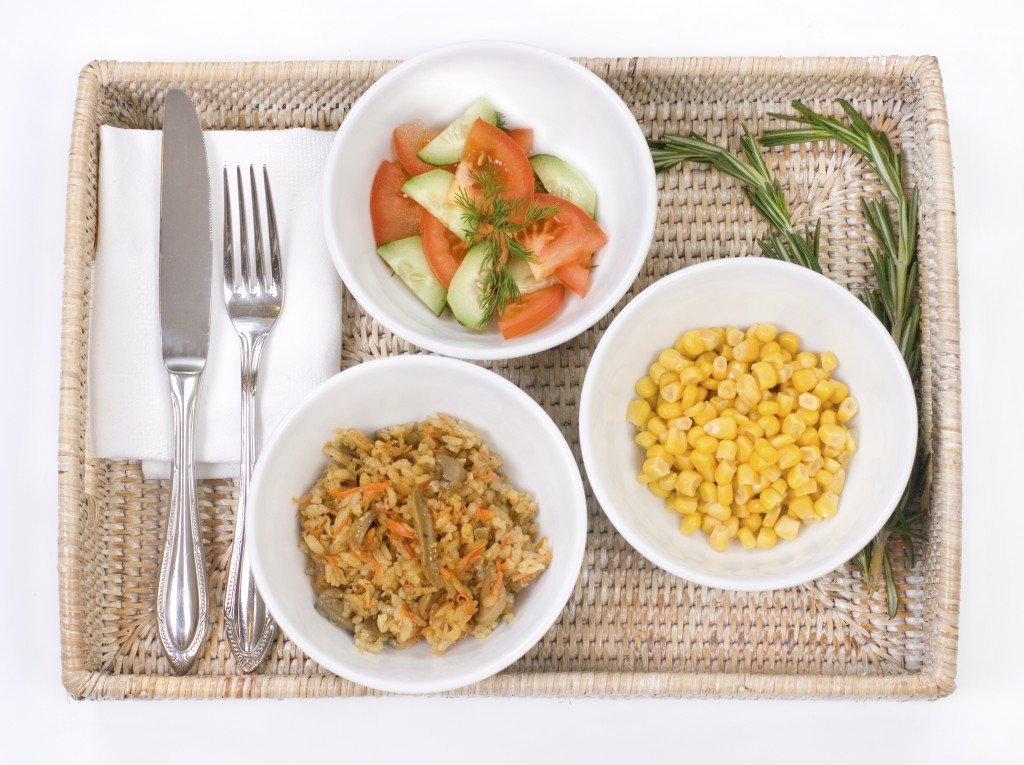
629, 628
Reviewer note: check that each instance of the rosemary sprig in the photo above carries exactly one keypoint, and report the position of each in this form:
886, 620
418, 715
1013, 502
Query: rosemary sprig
892, 301
784, 243
494, 221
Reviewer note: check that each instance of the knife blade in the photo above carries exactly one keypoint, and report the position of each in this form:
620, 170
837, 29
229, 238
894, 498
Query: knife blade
185, 274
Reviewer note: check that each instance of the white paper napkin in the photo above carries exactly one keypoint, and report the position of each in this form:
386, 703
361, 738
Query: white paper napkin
129, 399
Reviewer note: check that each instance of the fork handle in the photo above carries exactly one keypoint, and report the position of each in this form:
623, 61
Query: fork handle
249, 625
182, 606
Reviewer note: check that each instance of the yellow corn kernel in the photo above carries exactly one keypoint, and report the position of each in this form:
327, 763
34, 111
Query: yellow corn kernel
743, 493
668, 411
704, 463
789, 455
707, 492
807, 489
804, 380
785, 402
765, 332
675, 442
707, 524
690, 375
847, 409
823, 478
712, 337
667, 482
765, 375
687, 483
851, 441
827, 417
656, 425
766, 451
752, 521
746, 537
707, 444
744, 448
672, 390
691, 343
806, 360
756, 507
808, 401
719, 538
747, 350
824, 390
725, 495
689, 397
745, 475
785, 373
748, 390
770, 498
656, 467
809, 416
768, 407
657, 490
793, 425
840, 392
690, 523
645, 439
726, 451
832, 435
721, 427
801, 507
844, 458
808, 438
766, 538
798, 475
787, 527
655, 371
684, 505
772, 473
789, 342
705, 366
724, 472
671, 359
719, 511
758, 463
658, 450
704, 415
829, 361
838, 480
727, 389
719, 367
782, 439
770, 425
637, 412
694, 434
810, 453
646, 387
770, 519
827, 504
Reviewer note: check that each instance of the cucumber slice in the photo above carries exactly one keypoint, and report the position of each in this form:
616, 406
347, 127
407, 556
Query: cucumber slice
430, 190
565, 182
519, 269
447, 147
406, 259
466, 290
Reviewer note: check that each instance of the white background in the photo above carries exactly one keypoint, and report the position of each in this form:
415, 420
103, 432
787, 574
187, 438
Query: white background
43, 45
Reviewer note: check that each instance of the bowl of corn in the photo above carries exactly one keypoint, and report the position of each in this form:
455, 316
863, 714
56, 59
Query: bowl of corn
747, 424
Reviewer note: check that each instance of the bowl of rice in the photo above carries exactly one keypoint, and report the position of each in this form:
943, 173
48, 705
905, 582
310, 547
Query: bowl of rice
416, 524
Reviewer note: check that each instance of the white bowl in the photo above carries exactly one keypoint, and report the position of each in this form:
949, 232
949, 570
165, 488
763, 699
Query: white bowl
387, 392
739, 293
574, 114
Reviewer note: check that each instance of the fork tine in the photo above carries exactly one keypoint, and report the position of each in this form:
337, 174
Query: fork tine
275, 247
229, 249
260, 285
243, 234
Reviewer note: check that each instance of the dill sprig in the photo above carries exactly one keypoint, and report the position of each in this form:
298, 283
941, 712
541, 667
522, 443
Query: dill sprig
892, 301
765, 193
495, 221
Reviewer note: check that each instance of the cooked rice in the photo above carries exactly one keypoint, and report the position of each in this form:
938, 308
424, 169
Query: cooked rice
366, 561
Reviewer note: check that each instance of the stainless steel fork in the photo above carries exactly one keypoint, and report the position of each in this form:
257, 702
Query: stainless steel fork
253, 303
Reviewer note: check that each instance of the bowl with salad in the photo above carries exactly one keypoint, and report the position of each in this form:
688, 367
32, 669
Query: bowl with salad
489, 200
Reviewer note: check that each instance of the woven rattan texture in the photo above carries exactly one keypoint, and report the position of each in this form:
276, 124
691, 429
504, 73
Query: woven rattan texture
629, 628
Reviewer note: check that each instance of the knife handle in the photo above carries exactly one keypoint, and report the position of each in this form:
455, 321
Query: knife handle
182, 604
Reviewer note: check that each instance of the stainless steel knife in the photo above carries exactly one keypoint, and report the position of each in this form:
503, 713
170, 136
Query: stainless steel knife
186, 265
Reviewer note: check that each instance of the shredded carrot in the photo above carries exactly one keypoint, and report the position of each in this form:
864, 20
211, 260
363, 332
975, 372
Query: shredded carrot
369, 536
373, 489
475, 552
445, 573
341, 527
486, 476
521, 577
364, 557
496, 587
400, 529
303, 500
408, 549
331, 561
484, 514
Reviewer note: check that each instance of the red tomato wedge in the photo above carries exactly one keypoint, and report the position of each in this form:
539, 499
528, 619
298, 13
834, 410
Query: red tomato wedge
568, 236
576, 275
408, 139
523, 137
488, 147
443, 249
532, 311
393, 215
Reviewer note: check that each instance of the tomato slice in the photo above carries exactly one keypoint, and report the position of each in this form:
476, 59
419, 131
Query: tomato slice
523, 137
408, 139
393, 215
576, 275
532, 311
488, 147
443, 249
568, 236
